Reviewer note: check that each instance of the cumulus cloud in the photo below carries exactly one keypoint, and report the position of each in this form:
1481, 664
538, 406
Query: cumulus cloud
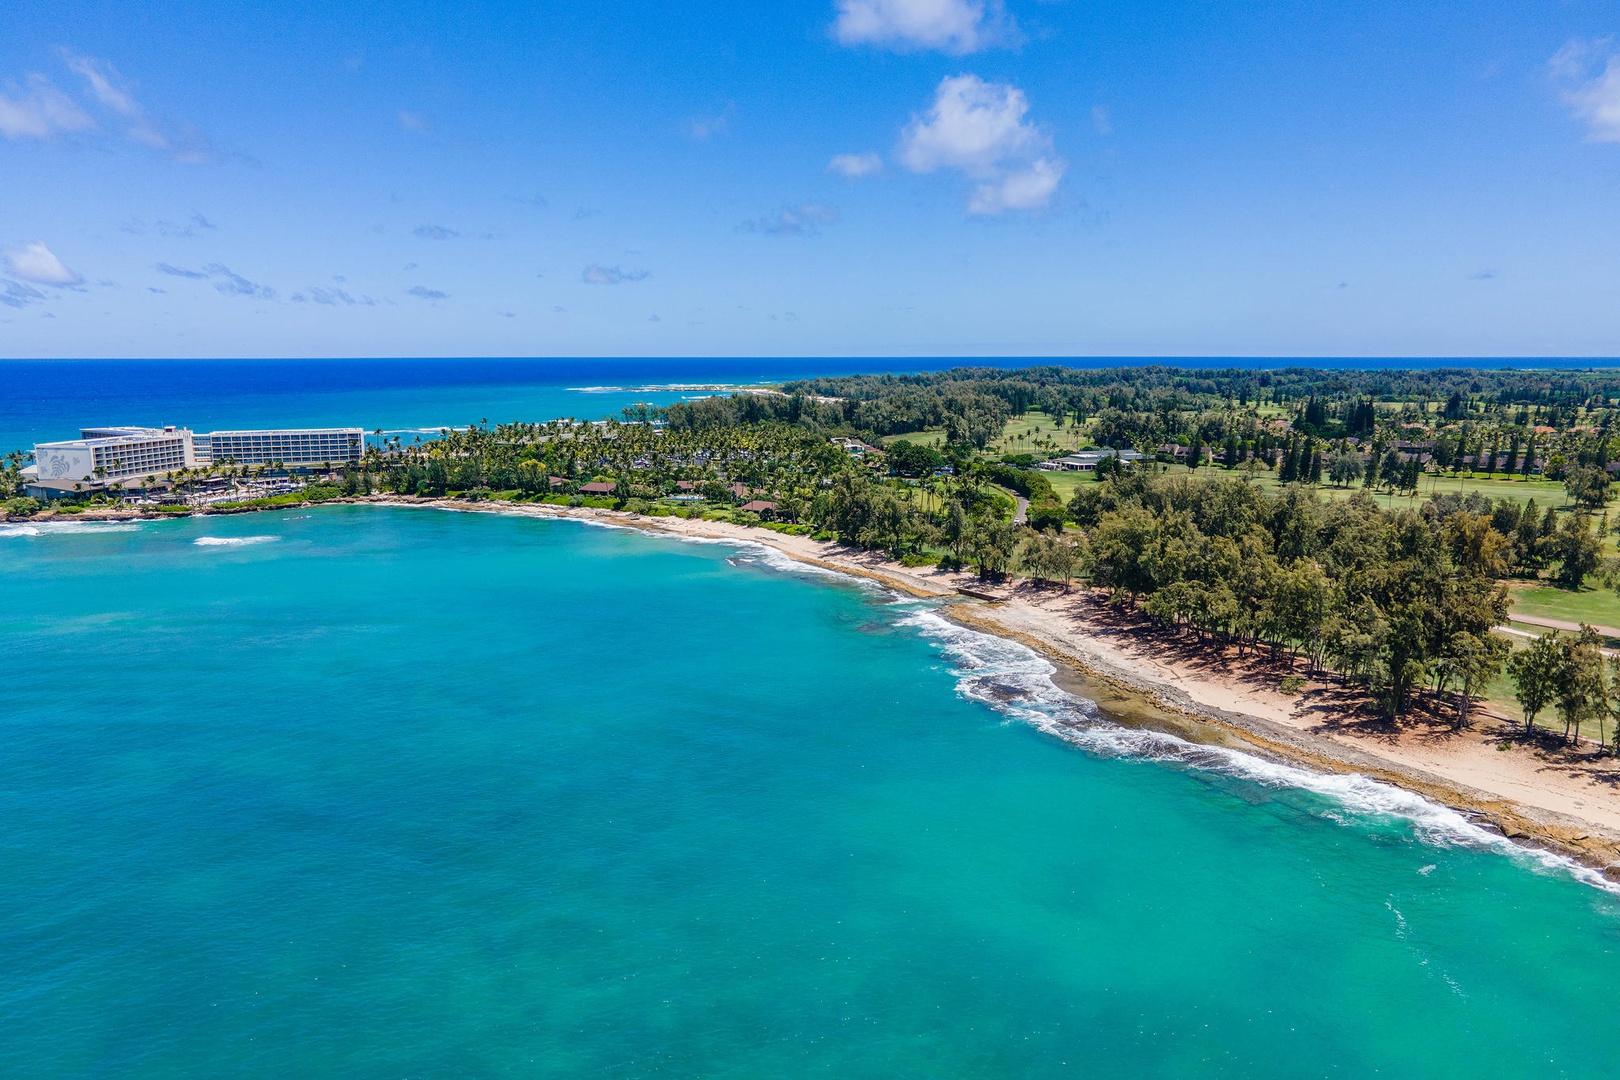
610, 275
806, 220
40, 111
854, 166
980, 130
1591, 75
1028, 188
224, 278
37, 263
434, 232
956, 27
422, 292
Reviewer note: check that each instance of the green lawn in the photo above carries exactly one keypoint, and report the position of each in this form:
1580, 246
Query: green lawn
1545, 492
1598, 606
1035, 433
1067, 483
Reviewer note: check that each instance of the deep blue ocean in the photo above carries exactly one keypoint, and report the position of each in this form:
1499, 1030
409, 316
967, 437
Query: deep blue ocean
44, 400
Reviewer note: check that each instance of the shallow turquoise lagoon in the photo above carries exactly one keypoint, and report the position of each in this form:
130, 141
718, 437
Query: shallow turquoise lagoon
405, 793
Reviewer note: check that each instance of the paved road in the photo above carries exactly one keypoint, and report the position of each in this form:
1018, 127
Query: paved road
1562, 624
1555, 624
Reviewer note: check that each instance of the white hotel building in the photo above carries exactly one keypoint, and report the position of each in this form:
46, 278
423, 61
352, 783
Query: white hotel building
111, 455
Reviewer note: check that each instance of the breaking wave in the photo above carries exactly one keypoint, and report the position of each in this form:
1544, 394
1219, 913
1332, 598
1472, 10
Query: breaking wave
67, 528
1017, 682
232, 541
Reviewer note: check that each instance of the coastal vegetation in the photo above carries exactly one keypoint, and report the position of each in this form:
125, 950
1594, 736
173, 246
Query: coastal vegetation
1368, 523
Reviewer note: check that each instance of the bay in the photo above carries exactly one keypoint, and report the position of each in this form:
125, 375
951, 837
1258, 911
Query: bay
397, 792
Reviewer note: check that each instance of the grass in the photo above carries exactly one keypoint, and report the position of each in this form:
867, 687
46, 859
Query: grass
1035, 433
1600, 607
1545, 492
1067, 483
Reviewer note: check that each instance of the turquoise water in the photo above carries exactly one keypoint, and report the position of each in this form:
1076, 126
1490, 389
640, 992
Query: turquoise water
360, 792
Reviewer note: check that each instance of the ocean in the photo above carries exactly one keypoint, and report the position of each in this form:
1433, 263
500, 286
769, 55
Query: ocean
360, 791
45, 400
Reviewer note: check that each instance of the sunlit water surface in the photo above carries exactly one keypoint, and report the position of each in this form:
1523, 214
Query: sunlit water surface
365, 792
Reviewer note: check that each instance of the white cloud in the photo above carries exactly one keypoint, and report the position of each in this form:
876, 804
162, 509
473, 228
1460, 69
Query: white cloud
957, 27
414, 122
1101, 120
1025, 189
979, 128
37, 263
40, 111
1593, 95
854, 166
108, 87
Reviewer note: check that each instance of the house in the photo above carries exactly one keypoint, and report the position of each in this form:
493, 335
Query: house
763, 507
598, 487
557, 482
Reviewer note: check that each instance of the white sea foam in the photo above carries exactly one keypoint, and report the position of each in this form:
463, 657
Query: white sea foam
1017, 682
232, 541
67, 528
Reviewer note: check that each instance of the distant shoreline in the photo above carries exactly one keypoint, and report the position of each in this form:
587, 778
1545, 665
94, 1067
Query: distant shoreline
1512, 792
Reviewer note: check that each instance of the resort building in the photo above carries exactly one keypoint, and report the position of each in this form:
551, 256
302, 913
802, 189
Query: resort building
113, 455
289, 446
1086, 460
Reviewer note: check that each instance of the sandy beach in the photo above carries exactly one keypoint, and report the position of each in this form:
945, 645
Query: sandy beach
1536, 791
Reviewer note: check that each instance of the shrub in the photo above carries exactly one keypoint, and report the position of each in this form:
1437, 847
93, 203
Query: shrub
637, 506
1048, 516
20, 507
1293, 684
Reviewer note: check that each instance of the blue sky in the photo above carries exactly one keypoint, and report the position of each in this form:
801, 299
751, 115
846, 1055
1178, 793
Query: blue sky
843, 177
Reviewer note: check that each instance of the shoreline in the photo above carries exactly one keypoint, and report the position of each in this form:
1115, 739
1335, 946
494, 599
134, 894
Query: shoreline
1533, 800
